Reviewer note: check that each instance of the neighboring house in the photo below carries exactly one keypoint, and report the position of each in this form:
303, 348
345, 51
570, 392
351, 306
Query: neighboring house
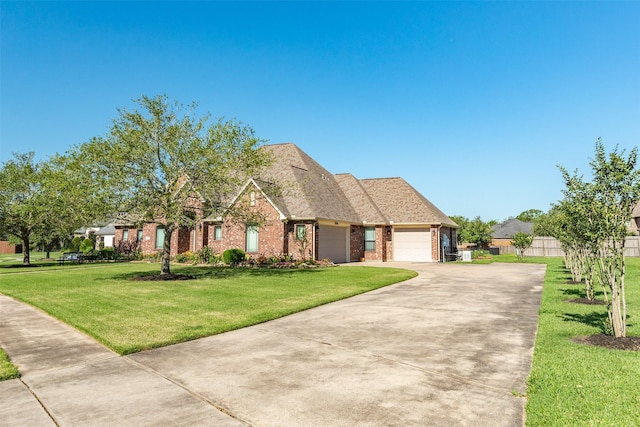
503, 233
9, 248
634, 225
105, 236
315, 214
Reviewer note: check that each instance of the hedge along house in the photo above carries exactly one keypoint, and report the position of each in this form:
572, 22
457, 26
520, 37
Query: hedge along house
307, 212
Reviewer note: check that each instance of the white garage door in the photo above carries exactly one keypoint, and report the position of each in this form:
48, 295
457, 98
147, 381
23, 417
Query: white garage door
332, 243
412, 244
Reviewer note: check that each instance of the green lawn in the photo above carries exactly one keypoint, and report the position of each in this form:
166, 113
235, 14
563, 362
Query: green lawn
573, 384
7, 370
579, 385
570, 384
130, 316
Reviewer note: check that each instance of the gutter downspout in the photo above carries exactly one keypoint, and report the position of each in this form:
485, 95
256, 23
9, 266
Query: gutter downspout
313, 234
440, 258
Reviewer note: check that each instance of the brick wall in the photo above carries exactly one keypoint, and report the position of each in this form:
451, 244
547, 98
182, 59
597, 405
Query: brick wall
295, 248
435, 242
271, 233
8, 248
356, 243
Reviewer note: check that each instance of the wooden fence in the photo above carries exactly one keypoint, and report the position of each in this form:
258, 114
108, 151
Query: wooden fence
550, 247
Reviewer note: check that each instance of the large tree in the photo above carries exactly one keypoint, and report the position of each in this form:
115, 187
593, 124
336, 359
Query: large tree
161, 163
40, 201
473, 231
529, 215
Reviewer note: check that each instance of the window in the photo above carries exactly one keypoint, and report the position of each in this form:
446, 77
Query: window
217, 232
301, 232
125, 235
139, 236
252, 238
160, 237
369, 238
252, 197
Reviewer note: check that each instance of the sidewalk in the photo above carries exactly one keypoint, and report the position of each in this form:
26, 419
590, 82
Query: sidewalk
452, 346
68, 379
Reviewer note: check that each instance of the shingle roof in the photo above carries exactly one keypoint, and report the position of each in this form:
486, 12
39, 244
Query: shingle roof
107, 230
309, 191
510, 227
360, 200
401, 203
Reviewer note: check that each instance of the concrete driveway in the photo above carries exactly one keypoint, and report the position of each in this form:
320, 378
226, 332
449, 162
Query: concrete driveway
450, 347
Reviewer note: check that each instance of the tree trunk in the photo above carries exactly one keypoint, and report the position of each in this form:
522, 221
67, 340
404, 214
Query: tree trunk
26, 259
166, 252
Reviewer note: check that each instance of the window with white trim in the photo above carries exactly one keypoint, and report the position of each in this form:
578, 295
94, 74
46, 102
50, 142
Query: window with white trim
369, 238
160, 234
252, 239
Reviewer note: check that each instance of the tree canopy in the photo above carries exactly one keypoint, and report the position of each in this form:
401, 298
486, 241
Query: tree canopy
529, 215
40, 201
161, 163
473, 230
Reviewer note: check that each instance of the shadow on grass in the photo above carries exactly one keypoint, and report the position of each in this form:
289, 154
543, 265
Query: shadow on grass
595, 319
199, 272
580, 292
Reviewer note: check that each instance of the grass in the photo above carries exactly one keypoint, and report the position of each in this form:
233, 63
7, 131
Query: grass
573, 384
7, 370
570, 384
130, 316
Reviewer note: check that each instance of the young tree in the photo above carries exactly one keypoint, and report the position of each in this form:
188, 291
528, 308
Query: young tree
522, 242
162, 164
601, 210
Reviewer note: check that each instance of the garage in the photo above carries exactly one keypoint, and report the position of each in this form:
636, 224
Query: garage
412, 244
333, 243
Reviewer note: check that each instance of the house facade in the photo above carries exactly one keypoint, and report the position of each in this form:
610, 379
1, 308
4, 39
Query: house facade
307, 212
502, 234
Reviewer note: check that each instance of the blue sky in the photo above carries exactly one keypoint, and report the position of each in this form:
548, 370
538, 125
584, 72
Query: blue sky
473, 103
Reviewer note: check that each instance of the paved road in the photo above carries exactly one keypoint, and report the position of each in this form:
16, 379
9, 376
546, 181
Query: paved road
450, 347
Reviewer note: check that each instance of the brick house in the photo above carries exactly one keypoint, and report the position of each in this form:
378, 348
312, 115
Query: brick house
502, 234
315, 214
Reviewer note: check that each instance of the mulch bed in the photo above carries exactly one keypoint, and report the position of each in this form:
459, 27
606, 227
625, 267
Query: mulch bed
586, 301
610, 342
163, 277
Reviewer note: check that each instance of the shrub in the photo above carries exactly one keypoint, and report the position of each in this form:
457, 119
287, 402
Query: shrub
74, 245
233, 256
127, 250
187, 256
154, 257
108, 254
206, 255
87, 246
